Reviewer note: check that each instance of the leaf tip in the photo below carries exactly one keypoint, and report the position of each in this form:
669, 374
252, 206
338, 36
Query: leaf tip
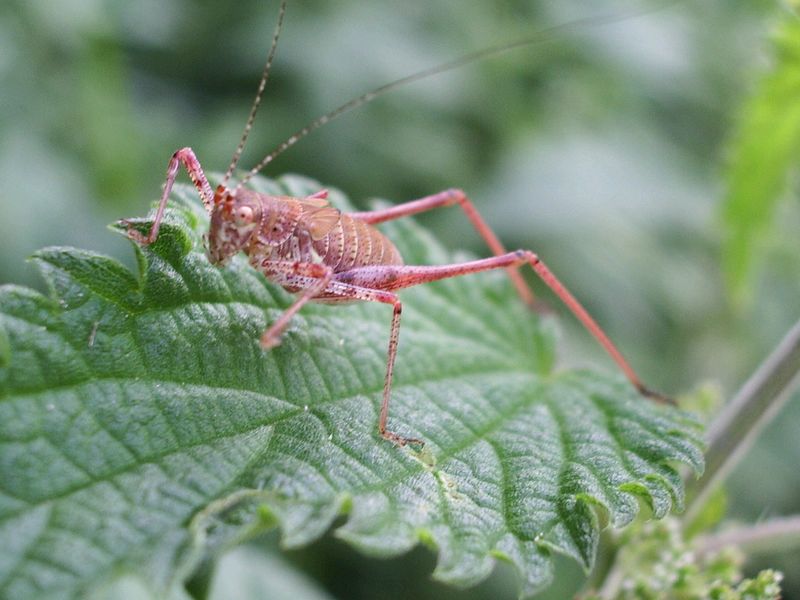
346, 506
266, 516
426, 538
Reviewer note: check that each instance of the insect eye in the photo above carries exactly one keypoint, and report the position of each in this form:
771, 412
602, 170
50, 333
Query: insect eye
243, 215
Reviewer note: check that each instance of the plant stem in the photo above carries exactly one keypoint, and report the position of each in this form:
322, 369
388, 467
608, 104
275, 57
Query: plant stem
730, 435
780, 533
606, 559
735, 429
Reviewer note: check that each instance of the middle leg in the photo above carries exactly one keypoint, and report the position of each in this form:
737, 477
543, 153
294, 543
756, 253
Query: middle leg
310, 278
344, 290
316, 281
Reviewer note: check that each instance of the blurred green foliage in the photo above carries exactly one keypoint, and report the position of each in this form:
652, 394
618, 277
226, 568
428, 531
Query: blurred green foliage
657, 563
766, 148
605, 152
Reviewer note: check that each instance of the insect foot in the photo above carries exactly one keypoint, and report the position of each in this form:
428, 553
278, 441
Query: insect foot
401, 441
134, 233
270, 340
657, 396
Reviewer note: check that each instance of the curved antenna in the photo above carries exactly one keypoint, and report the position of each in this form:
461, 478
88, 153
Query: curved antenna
257, 102
541, 36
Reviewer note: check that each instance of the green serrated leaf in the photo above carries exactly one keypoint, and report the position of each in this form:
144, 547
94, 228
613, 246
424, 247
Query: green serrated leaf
763, 152
142, 428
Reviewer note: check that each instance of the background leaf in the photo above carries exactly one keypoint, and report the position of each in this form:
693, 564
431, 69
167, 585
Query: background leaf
246, 573
142, 427
763, 153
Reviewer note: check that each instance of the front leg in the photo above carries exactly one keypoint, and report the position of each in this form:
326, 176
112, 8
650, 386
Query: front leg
189, 160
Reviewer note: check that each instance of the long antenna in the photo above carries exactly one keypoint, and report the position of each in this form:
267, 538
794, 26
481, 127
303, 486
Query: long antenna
257, 102
540, 36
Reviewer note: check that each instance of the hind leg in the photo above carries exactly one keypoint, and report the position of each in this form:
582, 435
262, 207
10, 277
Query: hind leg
403, 276
451, 197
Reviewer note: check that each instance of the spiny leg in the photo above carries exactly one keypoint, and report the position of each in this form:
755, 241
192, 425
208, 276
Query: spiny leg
311, 278
402, 276
338, 290
451, 197
195, 171
394, 335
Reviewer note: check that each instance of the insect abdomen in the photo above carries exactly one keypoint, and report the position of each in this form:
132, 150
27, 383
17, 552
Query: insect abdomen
300, 230
352, 243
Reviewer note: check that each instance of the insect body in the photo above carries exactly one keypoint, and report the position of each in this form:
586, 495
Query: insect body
321, 254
